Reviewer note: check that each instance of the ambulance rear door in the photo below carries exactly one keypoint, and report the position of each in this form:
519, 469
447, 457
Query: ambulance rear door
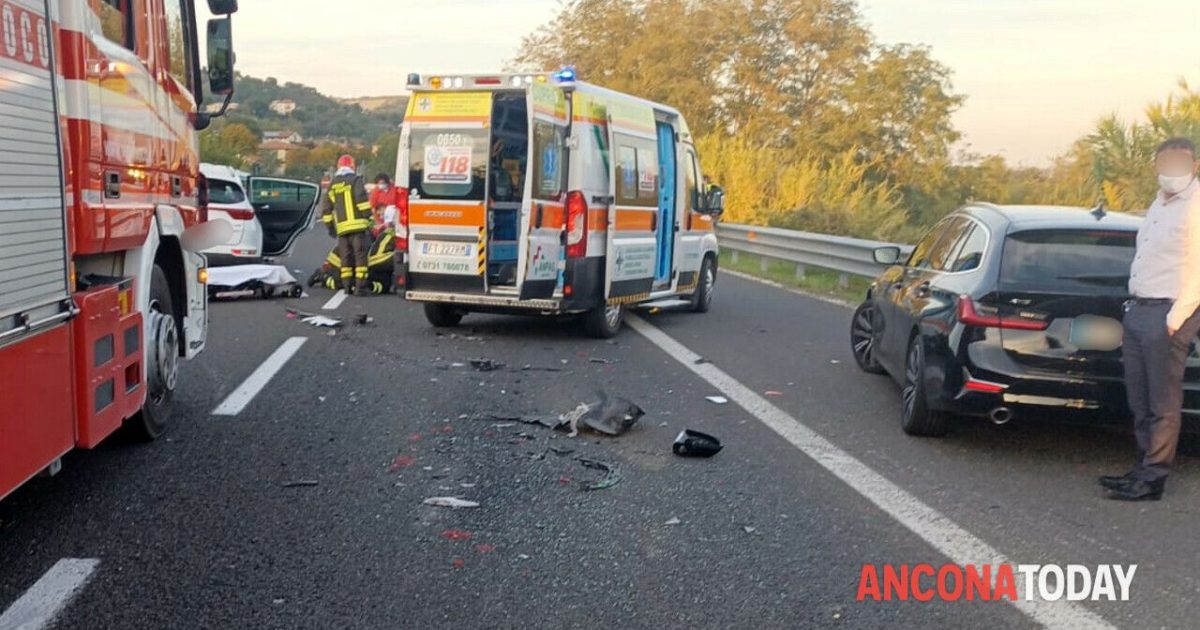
448, 149
543, 213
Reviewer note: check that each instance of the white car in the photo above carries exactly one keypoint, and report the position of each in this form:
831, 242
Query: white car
266, 214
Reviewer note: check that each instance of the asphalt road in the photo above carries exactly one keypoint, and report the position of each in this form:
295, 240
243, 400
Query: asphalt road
305, 509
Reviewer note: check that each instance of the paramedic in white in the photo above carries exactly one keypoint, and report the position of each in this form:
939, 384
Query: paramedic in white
1161, 320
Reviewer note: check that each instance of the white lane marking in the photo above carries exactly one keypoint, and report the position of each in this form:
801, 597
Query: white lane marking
958, 544
240, 397
335, 301
43, 602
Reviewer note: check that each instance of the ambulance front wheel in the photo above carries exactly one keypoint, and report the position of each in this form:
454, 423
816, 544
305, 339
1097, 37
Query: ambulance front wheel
703, 297
604, 321
442, 315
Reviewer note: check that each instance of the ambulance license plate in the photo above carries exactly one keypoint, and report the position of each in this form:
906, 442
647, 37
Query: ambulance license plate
441, 248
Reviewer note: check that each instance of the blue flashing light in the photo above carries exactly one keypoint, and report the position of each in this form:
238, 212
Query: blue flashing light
566, 75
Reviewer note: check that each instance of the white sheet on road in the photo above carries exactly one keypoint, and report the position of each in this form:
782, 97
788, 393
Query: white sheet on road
272, 275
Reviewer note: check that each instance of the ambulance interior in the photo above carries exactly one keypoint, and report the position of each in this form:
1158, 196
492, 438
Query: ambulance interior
506, 185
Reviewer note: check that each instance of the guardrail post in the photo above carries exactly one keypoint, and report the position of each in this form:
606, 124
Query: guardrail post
800, 271
844, 281
735, 256
764, 264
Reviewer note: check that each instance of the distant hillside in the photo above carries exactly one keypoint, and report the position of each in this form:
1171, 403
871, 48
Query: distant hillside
313, 115
378, 103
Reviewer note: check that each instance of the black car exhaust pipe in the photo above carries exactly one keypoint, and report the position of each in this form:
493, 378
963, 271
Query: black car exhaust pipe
1000, 416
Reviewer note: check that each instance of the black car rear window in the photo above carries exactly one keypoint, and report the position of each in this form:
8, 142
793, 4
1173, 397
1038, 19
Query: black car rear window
1088, 261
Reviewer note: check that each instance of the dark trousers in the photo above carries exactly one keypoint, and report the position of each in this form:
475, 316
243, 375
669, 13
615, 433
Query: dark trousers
1154, 364
353, 250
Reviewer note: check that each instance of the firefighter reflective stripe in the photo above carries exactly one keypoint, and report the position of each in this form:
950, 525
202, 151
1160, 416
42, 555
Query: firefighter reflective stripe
360, 273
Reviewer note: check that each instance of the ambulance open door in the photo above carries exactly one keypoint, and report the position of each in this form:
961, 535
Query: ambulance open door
543, 213
633, 172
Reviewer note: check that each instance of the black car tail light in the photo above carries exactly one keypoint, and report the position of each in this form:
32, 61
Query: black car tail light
972, 314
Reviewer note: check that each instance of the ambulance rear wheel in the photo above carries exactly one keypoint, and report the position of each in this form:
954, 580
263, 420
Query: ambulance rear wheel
604, 321
442, 315
162, 361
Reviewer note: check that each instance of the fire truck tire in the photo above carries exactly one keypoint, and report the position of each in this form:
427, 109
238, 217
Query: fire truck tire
703, 297
442, 315
162, 369
604, 322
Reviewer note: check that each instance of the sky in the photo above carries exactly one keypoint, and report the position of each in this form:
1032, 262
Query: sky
1037, 74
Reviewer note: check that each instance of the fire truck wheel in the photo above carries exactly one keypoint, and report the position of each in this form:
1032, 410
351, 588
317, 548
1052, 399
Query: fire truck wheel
442, 315
162, 368
604, 321
703, 297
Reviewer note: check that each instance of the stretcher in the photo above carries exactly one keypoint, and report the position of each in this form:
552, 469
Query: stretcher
264, 281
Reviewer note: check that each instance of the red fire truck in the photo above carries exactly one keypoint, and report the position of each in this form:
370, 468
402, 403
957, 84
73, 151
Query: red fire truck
101, 212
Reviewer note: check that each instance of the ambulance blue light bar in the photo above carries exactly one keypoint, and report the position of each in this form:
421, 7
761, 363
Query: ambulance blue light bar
566, 75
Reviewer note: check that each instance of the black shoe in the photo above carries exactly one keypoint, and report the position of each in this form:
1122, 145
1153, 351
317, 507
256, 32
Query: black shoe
1113, 482
1138, 490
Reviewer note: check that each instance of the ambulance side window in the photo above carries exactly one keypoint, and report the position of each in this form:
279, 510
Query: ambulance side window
637, 171
692, 193
116, 22
549, 172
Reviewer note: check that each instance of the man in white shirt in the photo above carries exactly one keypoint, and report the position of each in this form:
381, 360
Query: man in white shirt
1161, 320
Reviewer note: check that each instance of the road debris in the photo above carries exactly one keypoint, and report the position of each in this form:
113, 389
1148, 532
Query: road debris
691, 443
772, 393
458, 563
485, 548
321, 321
718, 400
454, 503
673, 521
611, 476
608, 415
701, 361
531, 368
485, 365
748, 529
364, 320
601, 361
302, 483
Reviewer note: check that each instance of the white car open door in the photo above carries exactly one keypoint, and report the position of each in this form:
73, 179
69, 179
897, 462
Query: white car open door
284, 208
543, 206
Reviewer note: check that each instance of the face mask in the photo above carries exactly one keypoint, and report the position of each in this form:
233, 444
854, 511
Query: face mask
1173, 185
383, 186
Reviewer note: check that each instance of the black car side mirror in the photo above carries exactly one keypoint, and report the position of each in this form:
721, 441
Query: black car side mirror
889, 255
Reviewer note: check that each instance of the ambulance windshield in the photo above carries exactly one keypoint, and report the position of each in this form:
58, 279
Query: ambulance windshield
448, 163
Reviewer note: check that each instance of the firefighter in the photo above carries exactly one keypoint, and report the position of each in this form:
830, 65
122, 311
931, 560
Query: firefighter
346, 211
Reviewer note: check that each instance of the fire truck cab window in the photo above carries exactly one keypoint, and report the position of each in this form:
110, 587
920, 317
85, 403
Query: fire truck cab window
116, 21
177, 42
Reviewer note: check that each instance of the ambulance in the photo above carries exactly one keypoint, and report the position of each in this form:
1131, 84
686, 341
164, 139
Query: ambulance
543, 194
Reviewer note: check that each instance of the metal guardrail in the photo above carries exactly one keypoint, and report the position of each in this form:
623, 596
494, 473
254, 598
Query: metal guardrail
847, 256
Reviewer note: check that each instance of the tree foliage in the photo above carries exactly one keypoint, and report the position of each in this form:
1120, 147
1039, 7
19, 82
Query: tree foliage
778, 90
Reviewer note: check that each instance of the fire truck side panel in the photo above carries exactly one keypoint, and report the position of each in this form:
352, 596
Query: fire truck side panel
36, 424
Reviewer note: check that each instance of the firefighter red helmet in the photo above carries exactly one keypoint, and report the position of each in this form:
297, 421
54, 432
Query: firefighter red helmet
346, 161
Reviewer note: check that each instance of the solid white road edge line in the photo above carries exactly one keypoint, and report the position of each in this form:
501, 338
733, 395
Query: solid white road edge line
335, 301
41, 604
959, 545
240, 397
